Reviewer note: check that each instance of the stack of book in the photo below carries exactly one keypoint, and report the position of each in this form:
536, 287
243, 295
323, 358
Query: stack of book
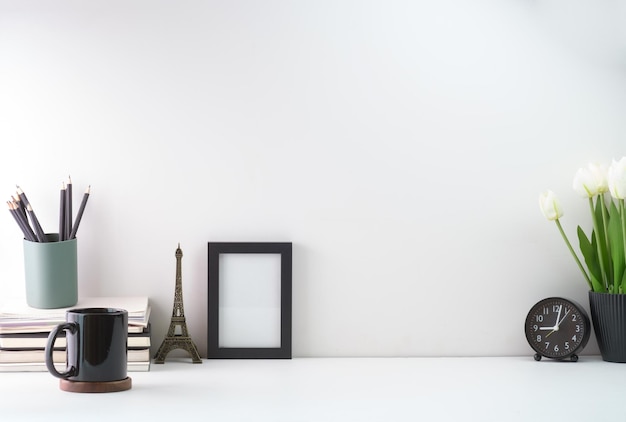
24, 333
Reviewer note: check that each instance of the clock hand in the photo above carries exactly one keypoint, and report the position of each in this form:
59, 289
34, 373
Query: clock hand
558, 323
558, 316
564, 316
546, 328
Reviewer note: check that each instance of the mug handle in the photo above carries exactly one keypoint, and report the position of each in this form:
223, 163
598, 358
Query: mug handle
71, 371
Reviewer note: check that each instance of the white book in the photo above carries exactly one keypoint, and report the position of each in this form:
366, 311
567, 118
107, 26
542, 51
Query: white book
59, 356
41, 367
38, 340
17, 317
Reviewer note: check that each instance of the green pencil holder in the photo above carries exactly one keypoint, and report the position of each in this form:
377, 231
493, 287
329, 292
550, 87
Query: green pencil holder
51, 272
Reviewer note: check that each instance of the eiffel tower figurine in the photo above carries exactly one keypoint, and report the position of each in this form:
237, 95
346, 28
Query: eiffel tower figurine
173, 340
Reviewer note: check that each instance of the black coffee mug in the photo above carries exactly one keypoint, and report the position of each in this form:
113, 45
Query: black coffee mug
97, 345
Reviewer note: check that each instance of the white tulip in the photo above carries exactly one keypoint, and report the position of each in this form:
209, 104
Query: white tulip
617, 179
550, 205
591, 180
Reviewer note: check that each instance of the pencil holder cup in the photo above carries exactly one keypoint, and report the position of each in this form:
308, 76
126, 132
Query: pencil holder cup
51, 273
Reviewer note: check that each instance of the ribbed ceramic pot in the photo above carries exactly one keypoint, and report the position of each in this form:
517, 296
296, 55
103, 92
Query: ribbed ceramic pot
608, 315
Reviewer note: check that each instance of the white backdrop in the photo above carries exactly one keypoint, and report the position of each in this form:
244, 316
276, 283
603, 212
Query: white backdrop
401, 146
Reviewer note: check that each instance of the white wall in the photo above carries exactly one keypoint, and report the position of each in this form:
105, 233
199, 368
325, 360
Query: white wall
401, 147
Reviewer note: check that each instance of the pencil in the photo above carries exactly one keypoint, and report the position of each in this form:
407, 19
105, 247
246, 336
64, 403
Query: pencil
20, 206
68, 209
22, 196
19, 218
81, 209
35, 222
24, 221
29, 230
23, 201
62, 213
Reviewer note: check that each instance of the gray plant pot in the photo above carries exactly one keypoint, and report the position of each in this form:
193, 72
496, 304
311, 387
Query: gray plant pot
608, 315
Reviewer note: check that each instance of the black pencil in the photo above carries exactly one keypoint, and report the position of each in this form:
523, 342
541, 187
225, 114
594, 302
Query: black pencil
22, 196
68, 209
22, 201
81, 209
20, 206
19, 218
35, 222
62, 213
36, 226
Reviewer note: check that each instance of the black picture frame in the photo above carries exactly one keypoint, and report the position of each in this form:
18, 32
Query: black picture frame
215, 250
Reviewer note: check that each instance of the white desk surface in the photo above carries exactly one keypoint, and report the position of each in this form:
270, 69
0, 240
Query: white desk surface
503, 389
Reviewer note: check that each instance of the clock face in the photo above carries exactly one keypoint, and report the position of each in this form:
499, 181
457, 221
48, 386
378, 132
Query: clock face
557, 328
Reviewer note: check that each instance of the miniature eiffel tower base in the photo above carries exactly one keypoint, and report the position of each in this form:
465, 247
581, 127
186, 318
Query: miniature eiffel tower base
177, 342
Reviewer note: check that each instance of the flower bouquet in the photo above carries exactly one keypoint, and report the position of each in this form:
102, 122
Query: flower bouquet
604, 249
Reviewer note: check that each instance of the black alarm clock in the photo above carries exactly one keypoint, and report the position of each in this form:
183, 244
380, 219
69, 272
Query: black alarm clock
557, 328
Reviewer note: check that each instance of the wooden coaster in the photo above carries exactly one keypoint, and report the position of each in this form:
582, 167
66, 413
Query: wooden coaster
96, 387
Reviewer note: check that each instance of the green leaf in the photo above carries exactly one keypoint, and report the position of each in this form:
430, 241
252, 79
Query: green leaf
616, 243
597, 286
589, 252
601, 238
